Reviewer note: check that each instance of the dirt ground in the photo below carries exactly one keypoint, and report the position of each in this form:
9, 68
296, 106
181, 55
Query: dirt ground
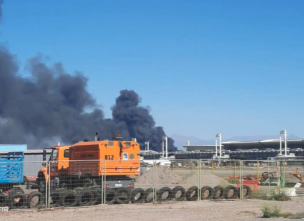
164, 176
246, 210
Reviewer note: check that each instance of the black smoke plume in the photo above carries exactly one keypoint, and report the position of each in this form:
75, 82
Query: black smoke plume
137, 121
54, 106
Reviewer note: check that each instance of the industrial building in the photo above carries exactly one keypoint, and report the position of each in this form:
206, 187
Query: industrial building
248, 145
239, 150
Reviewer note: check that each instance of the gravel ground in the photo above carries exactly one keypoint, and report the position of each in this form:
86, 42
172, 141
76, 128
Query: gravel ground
164, 176
246, 210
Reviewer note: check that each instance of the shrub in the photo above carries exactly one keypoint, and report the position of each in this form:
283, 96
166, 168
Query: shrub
281, 196
293, 216
269, 212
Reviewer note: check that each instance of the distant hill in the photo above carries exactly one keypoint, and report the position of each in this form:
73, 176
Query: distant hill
180, 140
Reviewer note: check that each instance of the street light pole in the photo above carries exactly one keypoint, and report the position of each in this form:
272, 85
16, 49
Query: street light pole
220, 145
166, 142
147, 145
280, 145
215, 146
219, 136
163, 148
283, 132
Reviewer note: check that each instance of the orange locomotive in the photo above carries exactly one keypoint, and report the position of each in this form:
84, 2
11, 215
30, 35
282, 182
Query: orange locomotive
112, 162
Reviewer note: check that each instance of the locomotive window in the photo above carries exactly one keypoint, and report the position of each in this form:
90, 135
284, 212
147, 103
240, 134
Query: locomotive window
111, 144
54, 155
127, 144
66, 154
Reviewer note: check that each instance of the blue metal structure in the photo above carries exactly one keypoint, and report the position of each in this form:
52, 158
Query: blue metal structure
11, 168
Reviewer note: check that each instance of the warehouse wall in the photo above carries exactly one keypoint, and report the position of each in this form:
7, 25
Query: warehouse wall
33, 163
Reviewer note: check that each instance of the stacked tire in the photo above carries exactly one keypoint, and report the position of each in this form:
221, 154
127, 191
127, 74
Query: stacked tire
35, 200
164, 194
179, 193
192, 193
247, 193
230, 192
15, 199
3, 200
138, 195
206, 193
123, 195
69, 198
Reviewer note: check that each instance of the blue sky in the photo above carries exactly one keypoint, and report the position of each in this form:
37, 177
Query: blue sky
203, 67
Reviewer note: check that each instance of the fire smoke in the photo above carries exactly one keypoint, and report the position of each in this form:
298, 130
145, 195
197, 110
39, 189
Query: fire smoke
52, 105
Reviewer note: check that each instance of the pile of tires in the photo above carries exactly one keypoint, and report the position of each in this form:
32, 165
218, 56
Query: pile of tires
80, 196
87, 196
179, 193
16, 199
93, 195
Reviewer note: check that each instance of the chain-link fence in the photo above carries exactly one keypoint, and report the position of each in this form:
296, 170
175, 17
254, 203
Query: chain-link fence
23, 185
91, 182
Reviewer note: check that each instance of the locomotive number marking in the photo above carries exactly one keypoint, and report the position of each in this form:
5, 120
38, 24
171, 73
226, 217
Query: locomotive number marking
109, 157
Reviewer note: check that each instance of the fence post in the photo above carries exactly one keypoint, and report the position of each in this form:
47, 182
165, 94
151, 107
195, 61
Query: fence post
49, 183
103, 192
48, 176
212, 166
284, 172
105, 181
234, 178
268, 179
241, 180
258, 170
278, 174
154, 181
199, 179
